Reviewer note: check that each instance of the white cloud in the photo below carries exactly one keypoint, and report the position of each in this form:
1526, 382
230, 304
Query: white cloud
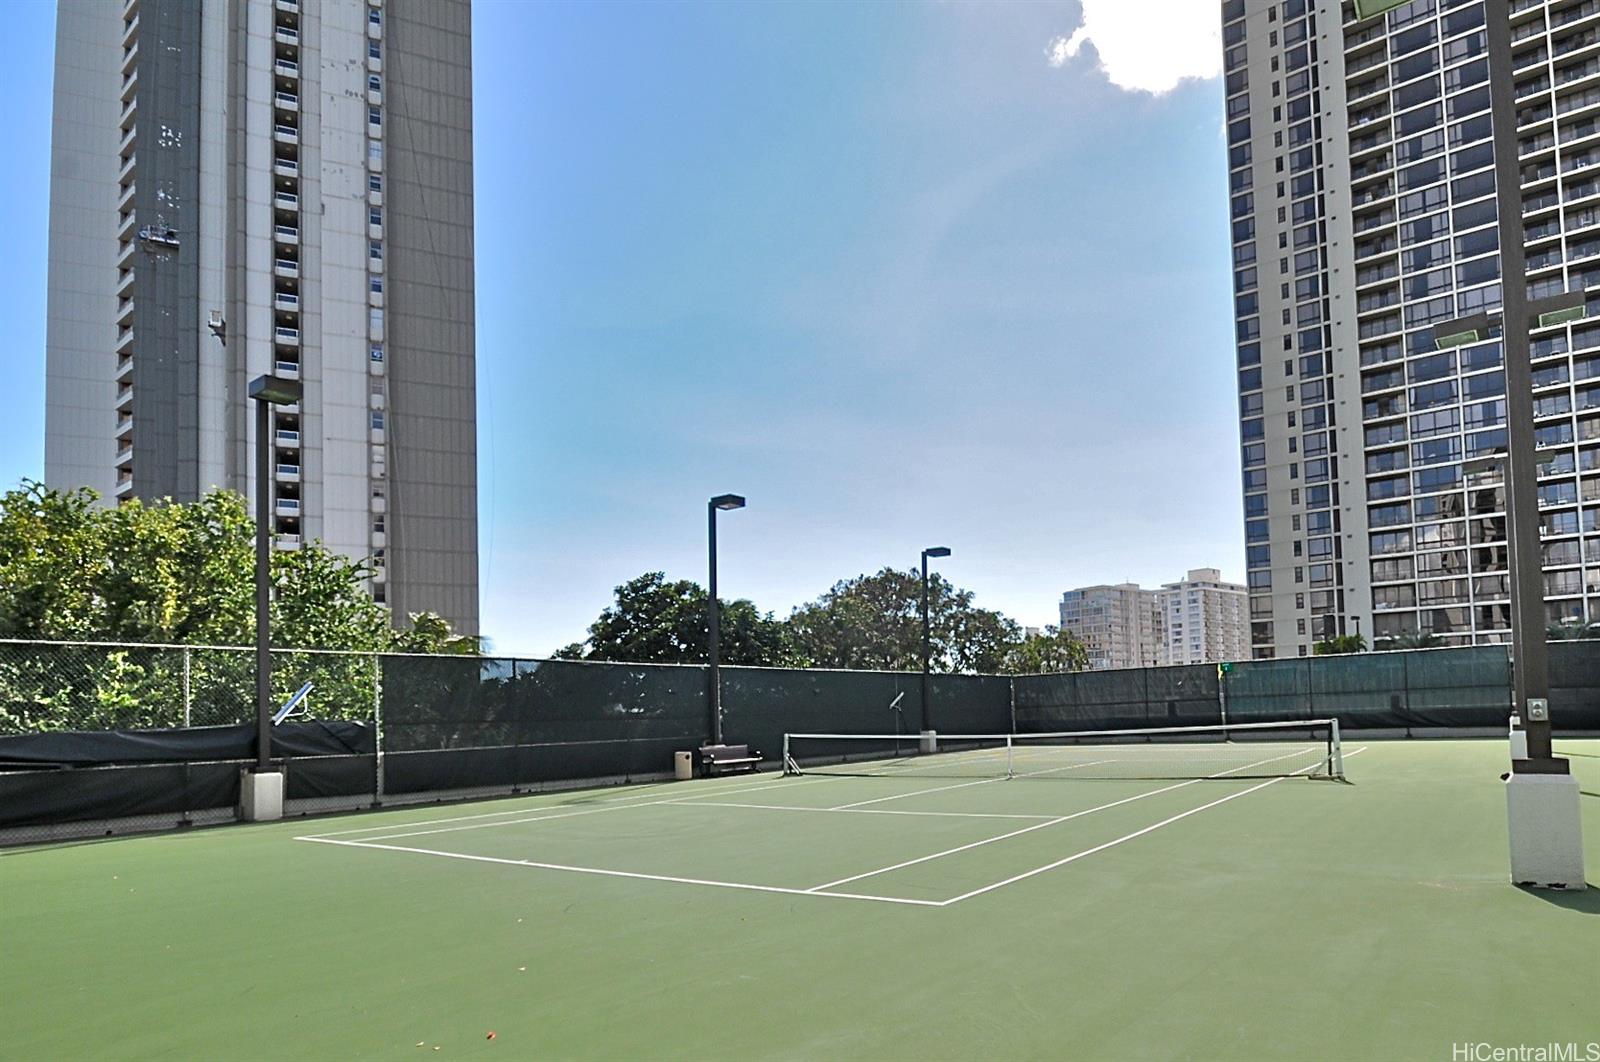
1146, 46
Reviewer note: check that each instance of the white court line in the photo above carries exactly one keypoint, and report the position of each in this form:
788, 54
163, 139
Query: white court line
861, 811
634, 800
1128, 836
1058, 820
962, 785
622, 873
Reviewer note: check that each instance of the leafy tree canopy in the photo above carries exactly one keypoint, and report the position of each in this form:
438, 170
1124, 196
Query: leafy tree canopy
656, 621
875, 622
181, 573
1340, 645
1041, 654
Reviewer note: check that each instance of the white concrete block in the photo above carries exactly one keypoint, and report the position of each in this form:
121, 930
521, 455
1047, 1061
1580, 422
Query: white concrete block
929, 742
1546, 826
260, 796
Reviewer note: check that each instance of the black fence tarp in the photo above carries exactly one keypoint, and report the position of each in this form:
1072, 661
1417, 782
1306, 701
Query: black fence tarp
1119, 699
463, 722
760, 705
70, 776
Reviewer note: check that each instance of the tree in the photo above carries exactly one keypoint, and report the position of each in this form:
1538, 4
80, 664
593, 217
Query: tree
1340, 645
874, 622
177, 573
653, 621
1047, 653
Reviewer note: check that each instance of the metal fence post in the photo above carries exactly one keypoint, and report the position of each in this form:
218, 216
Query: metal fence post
377, 729
187, 703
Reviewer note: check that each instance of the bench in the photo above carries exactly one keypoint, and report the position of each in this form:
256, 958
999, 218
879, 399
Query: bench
714, 759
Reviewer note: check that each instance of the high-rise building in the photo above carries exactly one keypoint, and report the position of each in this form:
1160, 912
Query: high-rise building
1361, 164
241, 187
1120, 626
1203, 619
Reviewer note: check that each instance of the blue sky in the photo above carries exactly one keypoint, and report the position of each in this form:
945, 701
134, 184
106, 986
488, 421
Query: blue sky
904, 275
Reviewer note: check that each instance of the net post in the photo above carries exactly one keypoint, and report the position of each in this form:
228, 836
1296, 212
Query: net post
1335, 751
188, 701
1011, 766
377, 730
789, 766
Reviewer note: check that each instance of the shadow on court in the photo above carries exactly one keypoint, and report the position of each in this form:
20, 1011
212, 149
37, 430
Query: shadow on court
1585, 902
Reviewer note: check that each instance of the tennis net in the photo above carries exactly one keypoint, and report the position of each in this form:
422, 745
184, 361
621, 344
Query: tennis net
1244, 750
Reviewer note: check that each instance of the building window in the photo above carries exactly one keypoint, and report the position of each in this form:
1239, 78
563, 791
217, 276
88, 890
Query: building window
377, 354
375, 284
374, 83
374, 116
374, 50
377, 419
375, 182
375, 215
375, 250
374, 17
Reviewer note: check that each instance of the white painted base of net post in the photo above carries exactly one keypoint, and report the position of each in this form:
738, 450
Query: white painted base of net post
260, 796
928, 742
1545, 816
1519, 739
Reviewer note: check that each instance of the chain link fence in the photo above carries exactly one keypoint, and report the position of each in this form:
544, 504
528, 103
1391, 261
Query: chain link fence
66, 686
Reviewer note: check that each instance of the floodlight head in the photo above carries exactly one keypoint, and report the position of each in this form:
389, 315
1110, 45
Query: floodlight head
727, 501
936, 551
275, 390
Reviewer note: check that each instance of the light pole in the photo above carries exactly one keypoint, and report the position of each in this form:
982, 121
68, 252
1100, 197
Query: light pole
714, 626
927, 649
258, 798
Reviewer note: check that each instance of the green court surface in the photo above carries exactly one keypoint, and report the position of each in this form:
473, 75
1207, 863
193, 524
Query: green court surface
898, 917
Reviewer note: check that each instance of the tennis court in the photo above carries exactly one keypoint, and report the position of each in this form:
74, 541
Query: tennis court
1035, 899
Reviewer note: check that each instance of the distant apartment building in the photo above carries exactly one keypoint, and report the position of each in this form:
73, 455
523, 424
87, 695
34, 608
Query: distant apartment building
1121, 625
1204, 619
284, 187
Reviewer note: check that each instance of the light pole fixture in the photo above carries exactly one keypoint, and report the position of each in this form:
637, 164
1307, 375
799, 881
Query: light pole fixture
724, 503
927, 649
265, 392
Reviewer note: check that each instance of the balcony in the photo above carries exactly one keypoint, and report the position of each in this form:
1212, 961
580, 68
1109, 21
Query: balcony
130, 53
286, 473
286, 507
125, 284
286, 68
286, 302
287, 268
286, 36
379, 540
124, 341
286, 168
125, 197
285, 134
129, 136
286, 337
124, 454
126, 171
286, 234
380, 504
287, 437
286, 201
130, 82
124, 486
290, 7
289, 370
286, 101
286, 540
124, 388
